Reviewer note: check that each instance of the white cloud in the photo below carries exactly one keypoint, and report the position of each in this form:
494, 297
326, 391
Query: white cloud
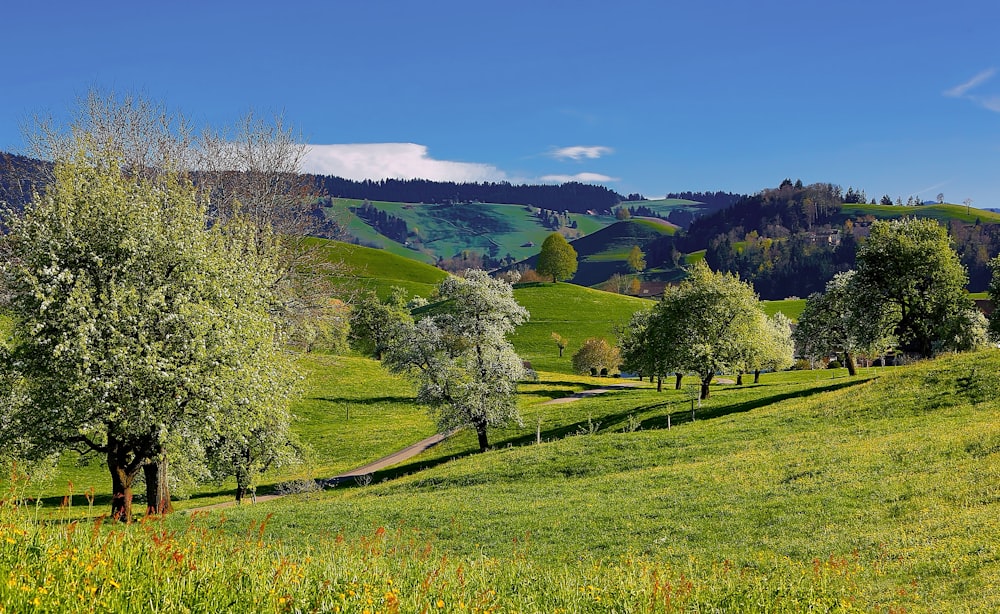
579, 152
580, 177
990, 102
393, 161
960, 90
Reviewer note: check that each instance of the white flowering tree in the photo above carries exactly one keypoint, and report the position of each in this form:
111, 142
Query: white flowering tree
845, 320
460, 357
142, 329
710, 322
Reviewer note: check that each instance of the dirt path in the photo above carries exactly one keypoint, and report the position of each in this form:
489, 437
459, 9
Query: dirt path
586, 394
386, 461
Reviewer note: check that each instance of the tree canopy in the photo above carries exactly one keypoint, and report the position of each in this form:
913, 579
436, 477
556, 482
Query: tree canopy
143, 329
459, 355
557, 258
845, 321
910, 265
710, 322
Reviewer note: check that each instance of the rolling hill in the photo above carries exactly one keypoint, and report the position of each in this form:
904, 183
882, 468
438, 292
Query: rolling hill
444, 230
358, 267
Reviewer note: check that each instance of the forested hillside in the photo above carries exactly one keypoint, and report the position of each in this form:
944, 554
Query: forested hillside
574, 197
791, 240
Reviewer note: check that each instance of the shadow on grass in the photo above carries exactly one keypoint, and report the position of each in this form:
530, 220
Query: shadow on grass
371, 401
613, 422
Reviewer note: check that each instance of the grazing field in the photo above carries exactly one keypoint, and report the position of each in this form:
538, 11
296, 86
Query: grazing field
791, 307
380, 270
573, 312
446, 230
943, 212
809, 492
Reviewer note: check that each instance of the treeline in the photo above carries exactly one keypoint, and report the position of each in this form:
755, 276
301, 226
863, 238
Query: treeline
714, 200
20, 176
792, 240
385, 223
574, 197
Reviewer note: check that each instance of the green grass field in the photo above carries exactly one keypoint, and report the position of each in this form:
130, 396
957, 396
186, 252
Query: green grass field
942, 212
810, 491
890, 477
380, 270
446, 230
572, 311
792, 308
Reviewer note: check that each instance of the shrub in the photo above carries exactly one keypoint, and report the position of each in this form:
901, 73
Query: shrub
596, 356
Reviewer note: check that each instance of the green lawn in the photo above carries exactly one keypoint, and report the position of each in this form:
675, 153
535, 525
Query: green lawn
942, 212
892, 480
572, 311
790, 307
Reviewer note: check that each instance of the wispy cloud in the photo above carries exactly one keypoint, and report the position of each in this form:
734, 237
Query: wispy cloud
960, 90
990, 102
361, 161
580, 152
580, 177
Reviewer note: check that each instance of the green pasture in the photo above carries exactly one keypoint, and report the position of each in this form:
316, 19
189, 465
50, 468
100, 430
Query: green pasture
943, 212
574, 312
497, 229
891, 475
379, 270
694, 257
810, 490
792, 308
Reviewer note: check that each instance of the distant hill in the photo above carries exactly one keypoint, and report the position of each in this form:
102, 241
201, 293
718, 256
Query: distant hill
365, 268
603, 253
572, 196
499, 233
573, 312
791, 240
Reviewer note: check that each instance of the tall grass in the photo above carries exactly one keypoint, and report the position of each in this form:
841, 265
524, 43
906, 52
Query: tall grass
200, 566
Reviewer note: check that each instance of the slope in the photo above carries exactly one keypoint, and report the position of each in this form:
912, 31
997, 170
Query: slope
888, 484
603, 253
573, 312
379, 270
433, 231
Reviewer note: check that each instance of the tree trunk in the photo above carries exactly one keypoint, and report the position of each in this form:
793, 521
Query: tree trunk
243, 477
659, 383
677, 381
481, 432
756, 376
157, 487
849, 361
121, 481
560, 351
739, 378
705, 381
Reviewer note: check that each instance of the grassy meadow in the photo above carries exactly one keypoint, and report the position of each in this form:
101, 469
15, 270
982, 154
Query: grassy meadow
811, 491
446, 230
366, 268
573, 312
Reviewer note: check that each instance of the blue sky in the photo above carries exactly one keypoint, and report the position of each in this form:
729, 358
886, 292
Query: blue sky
651, 97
